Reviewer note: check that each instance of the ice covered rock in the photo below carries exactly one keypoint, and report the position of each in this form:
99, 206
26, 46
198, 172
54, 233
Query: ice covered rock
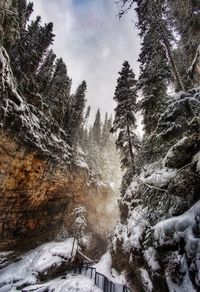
40, 264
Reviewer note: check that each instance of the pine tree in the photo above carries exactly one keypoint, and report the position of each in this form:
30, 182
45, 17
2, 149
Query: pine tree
185, 19
27, 53
14, 16
74, 115
94, 155
110, 158
154, 14
97, 128
94, 145
45, 73
105, 131
59, 92
125, 122
79, 104
84, 141
87, 114
43, 38
79, 225
84, 132
107, 125
154, 73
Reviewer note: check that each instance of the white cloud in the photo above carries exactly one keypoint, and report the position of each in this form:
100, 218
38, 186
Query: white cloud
93, 42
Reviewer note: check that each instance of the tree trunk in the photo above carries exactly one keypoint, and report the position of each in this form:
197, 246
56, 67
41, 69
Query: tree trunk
173, 64
167, 46
130, 144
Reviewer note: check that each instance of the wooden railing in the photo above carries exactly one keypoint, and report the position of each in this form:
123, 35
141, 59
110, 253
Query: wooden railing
100, 280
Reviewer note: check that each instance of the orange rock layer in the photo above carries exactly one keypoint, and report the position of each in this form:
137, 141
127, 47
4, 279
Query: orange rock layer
37, 198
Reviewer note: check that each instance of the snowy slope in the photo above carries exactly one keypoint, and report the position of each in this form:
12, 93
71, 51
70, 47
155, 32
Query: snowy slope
70, 283
46, 269
37, 264
104, 267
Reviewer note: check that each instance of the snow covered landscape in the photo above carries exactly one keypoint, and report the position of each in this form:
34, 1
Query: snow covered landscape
100, 146
28, 271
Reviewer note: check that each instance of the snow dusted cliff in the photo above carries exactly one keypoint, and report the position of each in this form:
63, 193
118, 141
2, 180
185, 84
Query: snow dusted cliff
42, 178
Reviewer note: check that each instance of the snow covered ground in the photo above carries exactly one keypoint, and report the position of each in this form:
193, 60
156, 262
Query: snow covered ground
69, 283
45, 269
38, 263
104, 266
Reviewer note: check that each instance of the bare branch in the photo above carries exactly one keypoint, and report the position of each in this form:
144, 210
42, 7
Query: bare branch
123, 8
153, 187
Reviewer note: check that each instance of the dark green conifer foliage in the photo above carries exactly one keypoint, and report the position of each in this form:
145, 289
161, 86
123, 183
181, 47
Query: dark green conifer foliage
155, 71
125, 122
154, 74
79, 103
94, 157
105, 131
87, 114
185, 20
27, 53
97, 128
74, 114
14, 16
59, 92
45, 73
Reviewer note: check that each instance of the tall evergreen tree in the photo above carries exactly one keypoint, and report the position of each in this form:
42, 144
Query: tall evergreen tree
59, 92
74, 114
185, 19
87, 114
155, 69
27, 53
14, 16
84, 141
105, 131
43, 37
154, 73
45, 73
94, 156
97, 128
154, 14
79, 104
125, 122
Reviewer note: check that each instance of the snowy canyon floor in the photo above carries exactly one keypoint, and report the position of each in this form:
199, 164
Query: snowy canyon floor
45, 269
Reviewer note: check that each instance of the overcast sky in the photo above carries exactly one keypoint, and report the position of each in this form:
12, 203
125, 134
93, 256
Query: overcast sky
93, 43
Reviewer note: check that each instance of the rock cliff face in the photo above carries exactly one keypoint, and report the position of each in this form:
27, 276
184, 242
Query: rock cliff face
41, 180
36, 200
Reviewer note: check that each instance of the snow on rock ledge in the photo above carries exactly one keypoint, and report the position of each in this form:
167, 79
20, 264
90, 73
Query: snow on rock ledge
179, 238
41, 263
181, 228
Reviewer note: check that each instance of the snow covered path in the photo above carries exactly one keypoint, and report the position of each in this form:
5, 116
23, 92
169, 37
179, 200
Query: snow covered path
69, 283
47, 268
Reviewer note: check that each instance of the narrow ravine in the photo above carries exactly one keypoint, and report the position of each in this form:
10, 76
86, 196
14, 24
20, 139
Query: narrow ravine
100, 146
